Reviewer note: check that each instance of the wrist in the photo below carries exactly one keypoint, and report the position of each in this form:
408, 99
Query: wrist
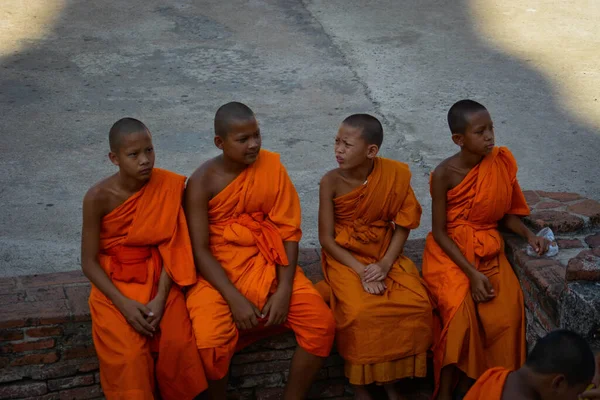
285, 287
386, 264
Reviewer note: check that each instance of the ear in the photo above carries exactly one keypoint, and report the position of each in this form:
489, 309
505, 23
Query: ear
219, 142
372, 151
113, 158
558, 382
458, 139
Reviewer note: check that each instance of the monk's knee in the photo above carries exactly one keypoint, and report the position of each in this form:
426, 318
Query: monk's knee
322, 334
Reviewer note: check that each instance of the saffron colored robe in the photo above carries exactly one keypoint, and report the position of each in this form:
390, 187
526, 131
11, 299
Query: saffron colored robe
489, 386
382, 338
476, 337
146, 233
248, 222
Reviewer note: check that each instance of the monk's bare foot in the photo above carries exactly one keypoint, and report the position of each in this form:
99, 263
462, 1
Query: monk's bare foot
361, 393
392, 392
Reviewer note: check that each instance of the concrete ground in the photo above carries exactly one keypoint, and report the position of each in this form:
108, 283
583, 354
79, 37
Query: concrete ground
69, 69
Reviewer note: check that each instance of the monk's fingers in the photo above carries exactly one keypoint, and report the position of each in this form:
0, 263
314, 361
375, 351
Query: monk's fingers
266, 309
142, 327
145, 310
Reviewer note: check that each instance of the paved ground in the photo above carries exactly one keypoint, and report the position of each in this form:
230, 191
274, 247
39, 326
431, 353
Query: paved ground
69, 69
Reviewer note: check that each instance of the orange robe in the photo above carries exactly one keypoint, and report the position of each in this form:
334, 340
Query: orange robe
489, 386
248, 222
476, 337
382, 338
137, 239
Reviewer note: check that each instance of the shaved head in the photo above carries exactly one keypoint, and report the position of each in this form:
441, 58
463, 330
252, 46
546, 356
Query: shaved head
458, 115
230, 113
372, 131
122, 128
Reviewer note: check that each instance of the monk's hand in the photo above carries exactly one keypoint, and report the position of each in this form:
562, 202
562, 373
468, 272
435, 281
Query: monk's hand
278, 306
377, 288
376, 272
245, 314
136, 313
539, 244
157, 307
481, 288
592, 393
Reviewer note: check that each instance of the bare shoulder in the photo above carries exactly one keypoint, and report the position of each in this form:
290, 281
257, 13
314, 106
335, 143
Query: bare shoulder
203, 174
330, 180
101, 195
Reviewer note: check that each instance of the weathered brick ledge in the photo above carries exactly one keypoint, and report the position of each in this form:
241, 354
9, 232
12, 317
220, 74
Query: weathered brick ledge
46, 351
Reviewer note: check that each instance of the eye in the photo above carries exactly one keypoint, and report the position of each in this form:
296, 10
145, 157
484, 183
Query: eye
131, 154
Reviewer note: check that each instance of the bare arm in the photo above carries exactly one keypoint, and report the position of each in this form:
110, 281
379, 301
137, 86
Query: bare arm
245, 314
516, 225
278, 305
396, 246
133, 311
327, 229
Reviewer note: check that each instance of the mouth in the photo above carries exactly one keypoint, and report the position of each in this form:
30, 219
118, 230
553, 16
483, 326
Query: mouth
490, 146
145, 171
252, 155
339, 160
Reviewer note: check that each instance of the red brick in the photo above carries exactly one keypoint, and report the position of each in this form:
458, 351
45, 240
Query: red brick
45, 293
97, 377
325, 389
70, 382
563, 197
30, 359
547, 205
8, 285
260, 356
57, 370
89, 366
569, 243
6, 335
253, 381
586, 266
23, 390
593, 240
34, 313
4, 361
79, 352
558, 221
49, 396
44, 331
28, 346
82, 393
12, 298
241, 395
588, 208
78, 302
57, 278
279, 342
531, 197
269, 394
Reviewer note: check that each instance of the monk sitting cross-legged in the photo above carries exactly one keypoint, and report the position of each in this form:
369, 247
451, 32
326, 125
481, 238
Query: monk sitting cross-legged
382, 310
560, 367
477, 293
136, 251
244, 218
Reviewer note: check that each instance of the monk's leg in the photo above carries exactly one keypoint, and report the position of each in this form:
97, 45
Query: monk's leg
392, 392
447, 379
503, 320
126, 364
312, 322
361, 392
179, 370
216, 335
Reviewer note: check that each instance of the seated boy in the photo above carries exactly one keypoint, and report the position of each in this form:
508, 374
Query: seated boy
477, 293
244, 218
135, 244
382, 310
560, 367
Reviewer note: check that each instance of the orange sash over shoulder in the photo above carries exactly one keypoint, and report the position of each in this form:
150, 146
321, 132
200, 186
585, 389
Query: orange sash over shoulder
477, 337
146, 233
490, 386
382, 338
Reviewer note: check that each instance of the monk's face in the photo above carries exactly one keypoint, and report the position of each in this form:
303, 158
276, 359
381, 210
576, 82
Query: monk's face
478, 137
351, 150
135, 156
242, 142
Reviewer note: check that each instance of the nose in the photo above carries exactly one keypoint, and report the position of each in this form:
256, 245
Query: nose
144, 159
254, 143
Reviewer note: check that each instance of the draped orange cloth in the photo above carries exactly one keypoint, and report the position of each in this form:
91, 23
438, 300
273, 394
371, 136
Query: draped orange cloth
381, 338
489, 386
476, 337
248, 222
146, 233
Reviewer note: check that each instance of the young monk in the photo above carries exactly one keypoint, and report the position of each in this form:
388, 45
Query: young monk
136, 251
381, 307
244, 219
560, 367
478, 295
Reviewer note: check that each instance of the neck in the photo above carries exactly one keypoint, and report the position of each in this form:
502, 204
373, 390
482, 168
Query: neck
232, 167
129, 184
527, 382
361, 172
469, 159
